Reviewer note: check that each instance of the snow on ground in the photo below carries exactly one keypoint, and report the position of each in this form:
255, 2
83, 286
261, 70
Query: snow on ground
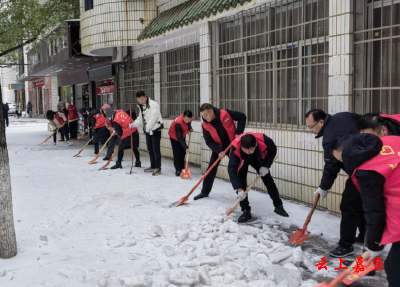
77, 226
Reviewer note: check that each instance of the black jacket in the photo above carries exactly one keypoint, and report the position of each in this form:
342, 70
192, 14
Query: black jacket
223, 134
234, 160
179, 135
357, 150
334, 126
5, 113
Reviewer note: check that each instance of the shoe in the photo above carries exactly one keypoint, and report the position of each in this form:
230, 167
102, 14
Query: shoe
245, 216
280, 211
106, 158
342, 252
149, 169
55, 143
200, 196
177, 173
118, 165
157, 171
94, 155
138, 164
61, 140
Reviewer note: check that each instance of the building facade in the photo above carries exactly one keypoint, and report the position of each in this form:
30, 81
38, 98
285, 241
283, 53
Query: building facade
273, 60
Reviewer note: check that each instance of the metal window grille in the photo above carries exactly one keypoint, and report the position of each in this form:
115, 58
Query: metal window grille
377, 56
180, 81
139, 76
271, 62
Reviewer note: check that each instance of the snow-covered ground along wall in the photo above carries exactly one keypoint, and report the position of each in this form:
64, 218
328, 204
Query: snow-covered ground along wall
77, 226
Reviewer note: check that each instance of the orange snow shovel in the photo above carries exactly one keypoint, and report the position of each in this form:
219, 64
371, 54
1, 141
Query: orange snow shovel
80, 137
301, 234
187, 172
108, 162
342, 275
246, 192
84, 147
97, 156
355, 276
186, 198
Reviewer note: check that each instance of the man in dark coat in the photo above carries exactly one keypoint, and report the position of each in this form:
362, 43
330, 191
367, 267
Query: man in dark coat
219, 131
5, 113
329, 127
258, 151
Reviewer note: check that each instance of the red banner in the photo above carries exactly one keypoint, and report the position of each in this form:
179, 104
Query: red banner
105, 90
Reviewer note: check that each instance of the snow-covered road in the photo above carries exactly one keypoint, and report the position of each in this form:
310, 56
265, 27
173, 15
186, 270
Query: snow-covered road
77, 226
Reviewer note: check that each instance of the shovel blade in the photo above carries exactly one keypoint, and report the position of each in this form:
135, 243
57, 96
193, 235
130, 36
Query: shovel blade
181, 201
353, 276
186, 173
299, 237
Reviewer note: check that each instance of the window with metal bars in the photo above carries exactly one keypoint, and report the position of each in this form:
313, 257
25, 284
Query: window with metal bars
377, 56
271, 62
139, 76
180, 81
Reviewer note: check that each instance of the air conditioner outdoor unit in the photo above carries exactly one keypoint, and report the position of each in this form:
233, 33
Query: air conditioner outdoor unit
117, 54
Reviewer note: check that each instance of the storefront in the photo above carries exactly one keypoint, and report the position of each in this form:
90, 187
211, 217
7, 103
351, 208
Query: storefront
102, 85
105, 94
39, 97
82, 95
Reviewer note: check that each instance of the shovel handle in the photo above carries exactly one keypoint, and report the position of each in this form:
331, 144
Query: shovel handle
187, 155
208, 171
247, 191
98, 155
365, 255
311, 212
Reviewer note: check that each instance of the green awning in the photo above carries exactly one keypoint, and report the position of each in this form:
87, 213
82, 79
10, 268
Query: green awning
185, 14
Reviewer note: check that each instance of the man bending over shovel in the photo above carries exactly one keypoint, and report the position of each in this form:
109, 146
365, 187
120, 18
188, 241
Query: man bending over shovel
259, 151
375, 167
219, 131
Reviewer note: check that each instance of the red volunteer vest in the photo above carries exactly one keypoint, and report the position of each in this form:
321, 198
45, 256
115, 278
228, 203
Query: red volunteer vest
72, 113
100, 121
172, 131
124, 120
227, 123
387, 163
260, 143
59, 119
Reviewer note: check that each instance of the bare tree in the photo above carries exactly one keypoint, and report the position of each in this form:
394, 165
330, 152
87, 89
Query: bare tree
8, 241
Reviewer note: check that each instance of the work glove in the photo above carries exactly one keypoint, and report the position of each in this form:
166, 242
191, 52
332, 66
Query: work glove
264, 171
240, 194
374, 254
147, 131
323, 193
132, 125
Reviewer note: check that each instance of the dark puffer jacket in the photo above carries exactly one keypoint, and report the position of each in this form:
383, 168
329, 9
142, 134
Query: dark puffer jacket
334, 126
357, 150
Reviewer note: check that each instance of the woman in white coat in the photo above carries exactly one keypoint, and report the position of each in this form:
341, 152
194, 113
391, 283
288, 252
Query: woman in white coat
150, 119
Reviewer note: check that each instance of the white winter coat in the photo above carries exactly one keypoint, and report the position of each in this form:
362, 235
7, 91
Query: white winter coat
151, 119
